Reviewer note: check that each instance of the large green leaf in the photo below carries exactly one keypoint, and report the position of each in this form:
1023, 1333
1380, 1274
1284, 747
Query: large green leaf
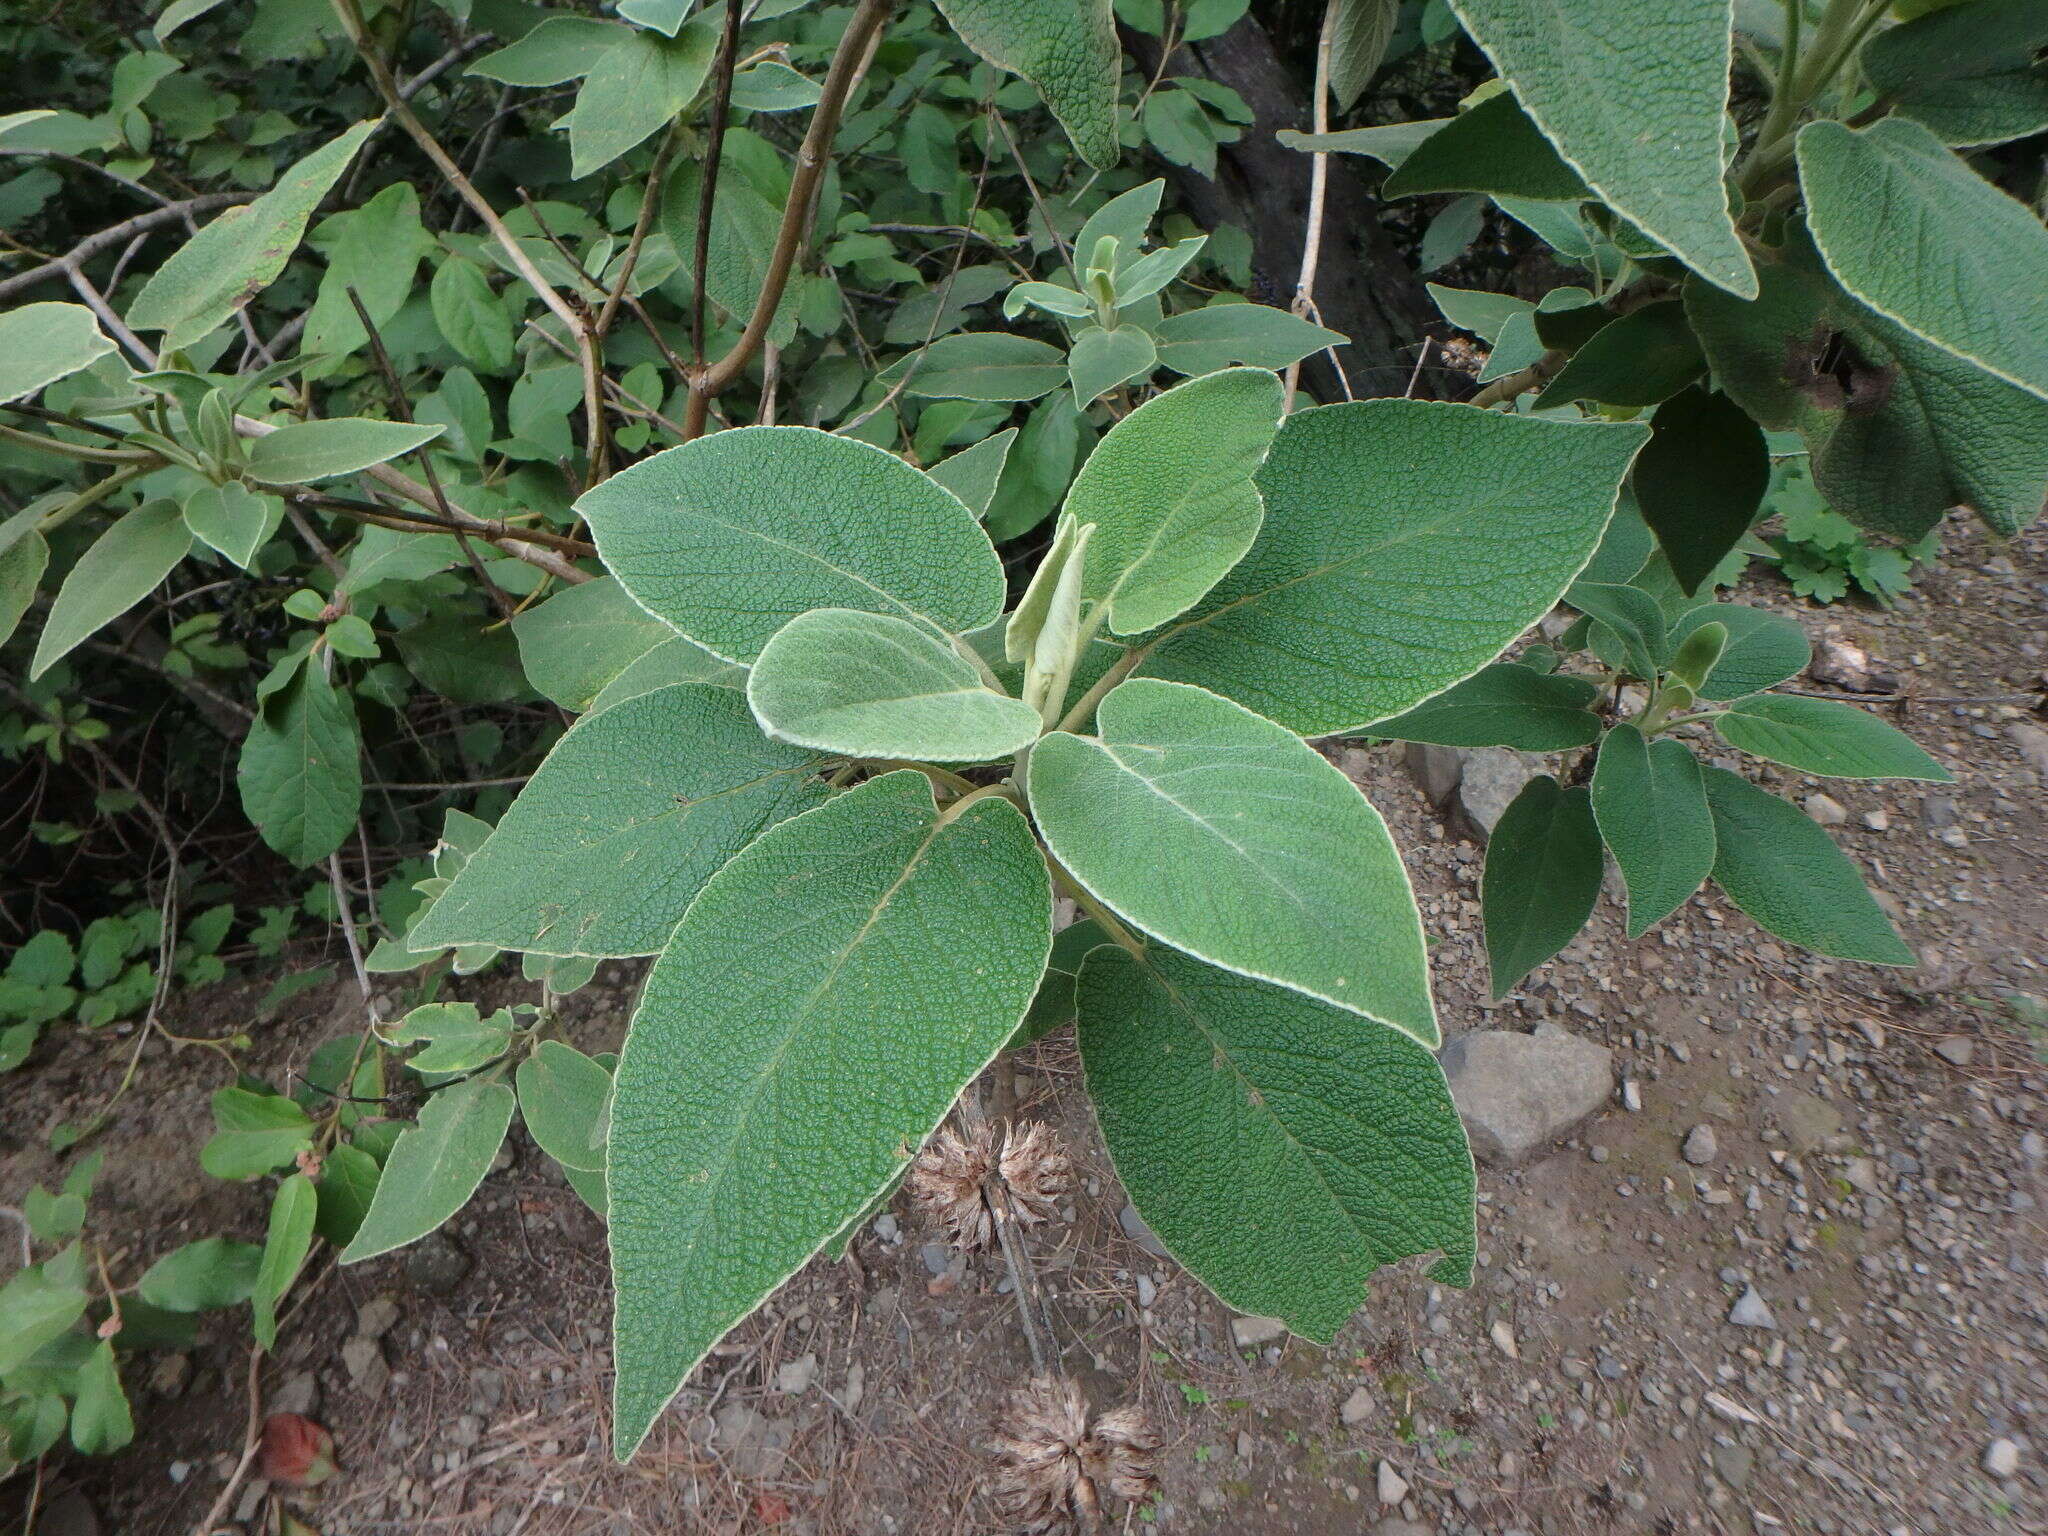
1377, 579
213, 1272
233, 519
1101, 360
634, 809
22, 563
746, 217
1924, 240
1493, 147
300, 771
475, 321
582, 638
1215, 336
435, 1166
1762, 650
1788, 874
565, 1098
1360, 31
1503, 705
675, 660
731, 536
974, 472
1824, 737
1652, 813
285, 1245
1169, 490
1647, 355
561, 48
827, 997
1633, 96
42, 343
1700, 480
1973, 73
868, 685
254, 1133
319, 450
1067, 48
238, 255
635, 87
1632, 616
101, 1422
1276, 866
122, 568
1282, 1149
36, 1307
980, 365
1542, 876
1898, 430
373, 250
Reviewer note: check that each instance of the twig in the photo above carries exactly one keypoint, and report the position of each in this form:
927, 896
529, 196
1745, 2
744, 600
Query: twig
113, 235
811, 159
253, 1442
707, 190
1318, 192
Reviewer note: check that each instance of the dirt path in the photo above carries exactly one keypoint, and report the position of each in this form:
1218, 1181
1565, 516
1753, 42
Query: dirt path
1823, 1313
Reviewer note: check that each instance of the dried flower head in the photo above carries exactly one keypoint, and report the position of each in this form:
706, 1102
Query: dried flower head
1053, 1463
1463, 355
950, 1182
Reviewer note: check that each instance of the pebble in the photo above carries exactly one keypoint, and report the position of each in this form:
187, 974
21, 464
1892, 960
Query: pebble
376, 1317
1504, 1340
1957, 1051
795, 1376
1701, 1147
1251, 1332
1148, 1290
435, 1264
1751, 1311
1733, 1464
886, 1228
364, 1360
1826, 810
2002, 1458
1357, 1407
1877, 821
1393, 1487
1136, 1230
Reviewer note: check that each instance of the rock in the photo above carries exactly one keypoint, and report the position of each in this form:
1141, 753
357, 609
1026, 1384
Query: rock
1938, 811
1357, 1407
1504, 1340
299, 1393
1805, 1121
1393, 1487
1733, 1464
2032, 742
936, 1257
170, 1375
376, 1317
1517, 1093
1827, 810
1956, 1051
1136, 1230
1847, 666
1492, 777
1251, 1332
2002, 1459
1435, 770
886, 1228
1701, 1147
435, 1264
795, 1376
855, 1389
1877, 820
364, 1360
1148, 1290
753, 1445
1751, 1311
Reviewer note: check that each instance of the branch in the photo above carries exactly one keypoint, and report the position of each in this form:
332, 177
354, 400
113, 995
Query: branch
864, 28
114, 235
714, 158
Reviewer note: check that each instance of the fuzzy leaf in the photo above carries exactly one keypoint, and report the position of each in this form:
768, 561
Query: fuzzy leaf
1542, 877
1821, 736
1652, 812
435, 1166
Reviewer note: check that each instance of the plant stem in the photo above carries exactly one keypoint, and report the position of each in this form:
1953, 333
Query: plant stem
1124, 666
1318, 190
650, 199
811, 159
707, 191
37, 443
92, 495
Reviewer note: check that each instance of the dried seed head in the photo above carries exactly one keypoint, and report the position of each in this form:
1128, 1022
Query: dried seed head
950, 1180
948, 1183
1463, 355
1053, 1464
1034, 1166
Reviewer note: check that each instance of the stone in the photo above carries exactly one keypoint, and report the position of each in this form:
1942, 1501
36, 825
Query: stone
1956, 1051
1877, 820
1808, 1123
2032, 742
1251, 1332
795, 1376
1733, 1464
1517, 1093
886, 1228
1827, 810
2002, 1459
1357, 1407
1492, 777
299, 1393
435, 1264
1435, 770
170, 1375
1136, 1230
1393, 1487
1504, 1340
753, 1445
1148, 1290
364, 1361
1751, 1311
855, 1389
1938, 811
376, 1317
1701, 1147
